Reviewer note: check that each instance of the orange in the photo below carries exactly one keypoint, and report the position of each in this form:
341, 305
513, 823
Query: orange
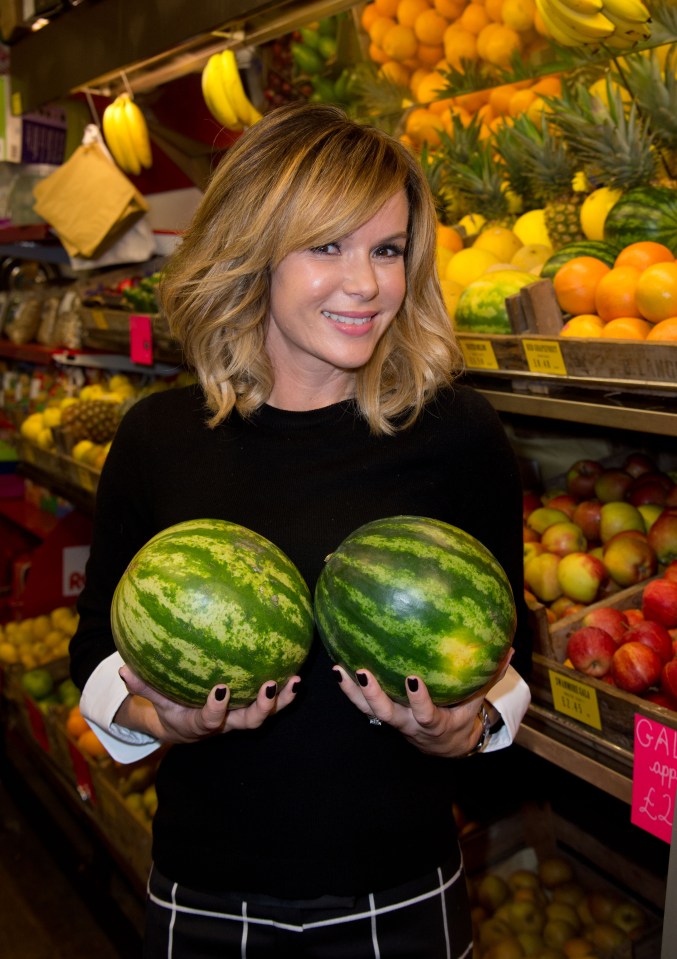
377, 55
518, 14
474, 18
576, 283
550, 86
449, 237
493, 8
471, 102
657, 292
485, 35
378, 29
520, 101
501, 46
664, 331
89, 743
399, 43
423, 125
429, 56
626, 328
76, 724
387, 8
369, 14
395, 73
459, 45
585, 325
616, 293
431, 88
451, 9
429, 27
644, 254
408, 10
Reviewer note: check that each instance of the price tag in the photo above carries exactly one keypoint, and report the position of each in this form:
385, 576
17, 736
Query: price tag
654, 777
544, 356
479, 354
99, 319
574, 699
140, 339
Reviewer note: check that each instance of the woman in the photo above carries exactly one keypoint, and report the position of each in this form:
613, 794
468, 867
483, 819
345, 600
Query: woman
305, 298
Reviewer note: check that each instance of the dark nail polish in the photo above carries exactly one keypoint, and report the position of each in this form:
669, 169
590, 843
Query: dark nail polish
362, 679
271, 690
412, 683
295, 686
220, 693
339, 677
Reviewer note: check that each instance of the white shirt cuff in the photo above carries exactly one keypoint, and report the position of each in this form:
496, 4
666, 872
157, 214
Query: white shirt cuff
511, 697
101, 698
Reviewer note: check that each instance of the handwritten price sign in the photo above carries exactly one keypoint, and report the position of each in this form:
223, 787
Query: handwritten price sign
654, 777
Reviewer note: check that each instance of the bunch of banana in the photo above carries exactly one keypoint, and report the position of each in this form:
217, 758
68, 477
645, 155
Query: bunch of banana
631, 20
126, 133
224, 94
575, 23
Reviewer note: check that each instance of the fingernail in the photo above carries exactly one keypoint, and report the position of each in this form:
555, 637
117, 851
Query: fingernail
295, 686
362, 678
271, 691
412, 683
220, 693
339, 677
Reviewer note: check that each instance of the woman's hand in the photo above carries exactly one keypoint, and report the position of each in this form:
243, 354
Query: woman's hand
148, 711
436, 730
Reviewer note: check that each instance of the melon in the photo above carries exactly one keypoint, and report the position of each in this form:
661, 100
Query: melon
410, 595
206, 602
481, 306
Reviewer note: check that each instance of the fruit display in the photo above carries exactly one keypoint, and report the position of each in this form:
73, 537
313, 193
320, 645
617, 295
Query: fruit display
551, 907
608, 528
126, 133
481, 304
620, 24
38, 640
407, 595
206, 602
224, 93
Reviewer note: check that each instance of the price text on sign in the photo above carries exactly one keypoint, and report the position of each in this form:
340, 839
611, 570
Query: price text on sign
479, 354
576, 700
140, 339
544, 356
654, 777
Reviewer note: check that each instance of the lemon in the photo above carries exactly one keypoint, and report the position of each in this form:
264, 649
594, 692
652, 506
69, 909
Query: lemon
8, 654
498, 240
81, 449
451, 290
44, 439
68, 401
595, 209
530, 227
41, 626
531, 255
442, 257
472, 223
32, 426
52, 416
469, 264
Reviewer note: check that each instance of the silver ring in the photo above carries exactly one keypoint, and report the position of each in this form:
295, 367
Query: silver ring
373, 721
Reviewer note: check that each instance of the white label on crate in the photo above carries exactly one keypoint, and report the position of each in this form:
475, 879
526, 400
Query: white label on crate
73, 567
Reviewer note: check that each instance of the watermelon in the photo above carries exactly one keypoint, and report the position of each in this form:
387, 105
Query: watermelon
600, 249
644, 213
408, 595
207, 601
481, 306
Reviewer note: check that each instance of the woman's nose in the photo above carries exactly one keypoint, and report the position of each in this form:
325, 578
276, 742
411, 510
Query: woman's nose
360, 277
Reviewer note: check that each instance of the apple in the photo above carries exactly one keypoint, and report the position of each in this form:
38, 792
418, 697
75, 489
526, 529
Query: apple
650, 513
569, 893
531, 549
557, 931
553, 870
647, 490
540, 576
609, 618
617, 517
529, 535
638, 463
671, 498
523, 878
606, 937
634, 616
565, 606
601, 905
591, 650
612, 485
564, 538
581, 477
491, 891
525, 916
588, 515
659, 602
564, 911
629, 917
669, 679
629, 559
580, 576
663, 536
494, 930
660, 698
670, 571
653, 635
531, 943
530, 502
543, 517
636, 667
564, 501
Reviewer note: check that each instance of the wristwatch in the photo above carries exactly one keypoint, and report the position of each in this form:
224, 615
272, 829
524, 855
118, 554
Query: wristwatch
485, 735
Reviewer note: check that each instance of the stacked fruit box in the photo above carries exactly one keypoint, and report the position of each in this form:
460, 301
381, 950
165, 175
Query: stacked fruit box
108, 329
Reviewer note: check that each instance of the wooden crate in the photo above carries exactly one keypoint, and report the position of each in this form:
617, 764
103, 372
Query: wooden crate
522, 839
128, 835
105, 329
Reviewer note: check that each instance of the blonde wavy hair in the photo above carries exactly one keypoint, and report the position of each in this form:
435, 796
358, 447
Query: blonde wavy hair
303, 176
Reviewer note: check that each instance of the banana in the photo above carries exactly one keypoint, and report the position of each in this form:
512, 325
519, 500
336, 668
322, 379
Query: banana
633, 30
586, 6
558, 30
135, 121
633, 10
215, 95
593, 26
244, 108
118, 139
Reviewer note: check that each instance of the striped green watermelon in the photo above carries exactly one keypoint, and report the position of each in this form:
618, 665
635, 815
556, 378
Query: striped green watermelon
481, 306
644, 213
207, 601
408, 595
600, 249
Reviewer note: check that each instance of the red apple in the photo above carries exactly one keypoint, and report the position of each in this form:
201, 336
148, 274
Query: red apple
543, 517
670, 571
651, 634
659, 602
540, 576
563, 501
629, 559
634, 616
610, 618
647, 491
587, 515
531, 549
660, 698
563, 606
618, 517
650, 513
663, 536
564, 538
612, 485
591, 650
636, 667
530, 502
669, 679
581, 476
580, 576
638, 463
529, 535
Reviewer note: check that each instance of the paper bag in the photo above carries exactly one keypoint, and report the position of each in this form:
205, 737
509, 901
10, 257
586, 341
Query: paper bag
88, 202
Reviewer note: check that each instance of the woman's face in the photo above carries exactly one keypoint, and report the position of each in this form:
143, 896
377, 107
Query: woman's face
330, 305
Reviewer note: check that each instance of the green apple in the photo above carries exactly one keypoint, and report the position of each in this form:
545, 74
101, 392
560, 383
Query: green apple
38, 683
525, 916
557, 931
492, 931
521, 878
629, 917
554, 870
491, 891
617, 517
542, 517
562, 910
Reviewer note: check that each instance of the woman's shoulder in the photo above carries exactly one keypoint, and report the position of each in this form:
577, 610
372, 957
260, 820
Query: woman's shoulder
460, 400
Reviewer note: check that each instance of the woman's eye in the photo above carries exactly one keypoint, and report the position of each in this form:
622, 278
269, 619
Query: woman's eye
326, 248
389, 250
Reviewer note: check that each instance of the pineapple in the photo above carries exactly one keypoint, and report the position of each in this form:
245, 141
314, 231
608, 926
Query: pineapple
95, 420
540, 167
447, 205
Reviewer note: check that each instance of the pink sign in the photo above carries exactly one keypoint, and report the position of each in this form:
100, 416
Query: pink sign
140, 339
654, 777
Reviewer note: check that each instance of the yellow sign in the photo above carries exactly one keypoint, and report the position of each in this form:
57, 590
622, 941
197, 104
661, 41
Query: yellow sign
479, 354
574, 699
544, 356
99, 319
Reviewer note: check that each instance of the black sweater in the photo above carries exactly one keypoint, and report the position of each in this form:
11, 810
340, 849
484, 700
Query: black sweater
317, 800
